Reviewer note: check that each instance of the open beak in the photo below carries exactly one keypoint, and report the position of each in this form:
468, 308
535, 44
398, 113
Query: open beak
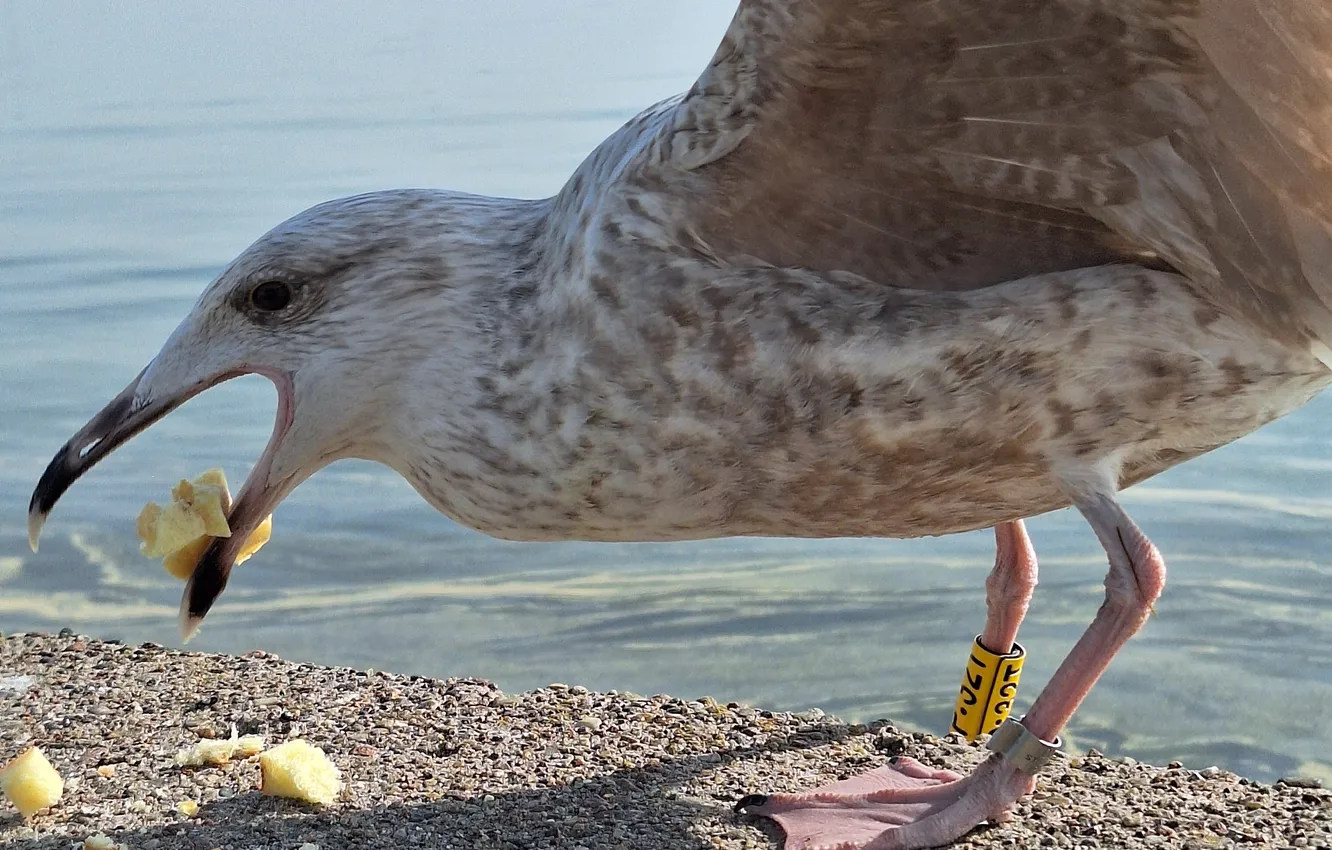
133, 410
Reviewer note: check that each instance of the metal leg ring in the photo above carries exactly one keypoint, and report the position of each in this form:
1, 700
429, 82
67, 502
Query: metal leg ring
1025, 751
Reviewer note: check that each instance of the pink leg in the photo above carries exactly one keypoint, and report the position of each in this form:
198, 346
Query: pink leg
1009, 586
907, 806
1135, 581
989, 681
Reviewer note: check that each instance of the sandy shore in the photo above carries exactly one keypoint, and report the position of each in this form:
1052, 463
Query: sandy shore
459, 764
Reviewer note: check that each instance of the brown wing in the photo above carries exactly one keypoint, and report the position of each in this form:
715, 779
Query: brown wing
952, 144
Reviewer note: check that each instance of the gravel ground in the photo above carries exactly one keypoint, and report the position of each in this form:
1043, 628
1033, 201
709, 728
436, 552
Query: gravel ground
458, 763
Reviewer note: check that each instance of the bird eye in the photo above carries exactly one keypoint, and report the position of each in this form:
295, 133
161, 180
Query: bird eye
270, 296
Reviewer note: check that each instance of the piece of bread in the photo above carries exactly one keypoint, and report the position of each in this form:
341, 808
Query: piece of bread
180, 532
299, 770
215, 751
31, 783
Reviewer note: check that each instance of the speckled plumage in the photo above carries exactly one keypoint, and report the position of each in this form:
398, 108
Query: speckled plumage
781, 404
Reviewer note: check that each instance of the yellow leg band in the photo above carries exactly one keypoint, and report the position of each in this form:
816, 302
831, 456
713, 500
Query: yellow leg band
989, 687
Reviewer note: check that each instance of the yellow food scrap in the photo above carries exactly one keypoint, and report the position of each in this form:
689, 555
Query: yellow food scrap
188, 808
256, 540
206, 500
180, 563
249, 745
215, 752
31, 783
301, 771
214, 477
146, 526
166, 529
180, 532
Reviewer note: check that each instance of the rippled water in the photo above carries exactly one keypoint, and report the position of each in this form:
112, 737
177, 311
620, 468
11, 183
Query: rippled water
142, 146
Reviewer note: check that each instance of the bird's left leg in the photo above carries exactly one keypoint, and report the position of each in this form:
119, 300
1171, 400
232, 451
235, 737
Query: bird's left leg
908, 806
1009, 586
994, 665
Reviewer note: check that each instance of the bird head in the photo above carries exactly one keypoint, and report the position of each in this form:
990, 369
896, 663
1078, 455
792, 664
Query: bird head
324, 306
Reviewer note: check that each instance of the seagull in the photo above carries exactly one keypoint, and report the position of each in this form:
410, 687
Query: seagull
890, 268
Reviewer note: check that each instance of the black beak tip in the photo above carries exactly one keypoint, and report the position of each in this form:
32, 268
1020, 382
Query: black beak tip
204, 587
55, 480
52, 485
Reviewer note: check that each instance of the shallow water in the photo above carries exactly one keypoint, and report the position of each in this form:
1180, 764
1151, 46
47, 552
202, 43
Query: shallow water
141, 148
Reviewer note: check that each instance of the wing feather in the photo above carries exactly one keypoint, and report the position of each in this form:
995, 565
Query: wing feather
954, 144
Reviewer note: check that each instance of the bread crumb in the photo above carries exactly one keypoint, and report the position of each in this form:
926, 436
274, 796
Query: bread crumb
31, 783
216, 752
300, 771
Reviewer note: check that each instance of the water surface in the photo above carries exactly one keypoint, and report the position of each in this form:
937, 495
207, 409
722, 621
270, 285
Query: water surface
143, 145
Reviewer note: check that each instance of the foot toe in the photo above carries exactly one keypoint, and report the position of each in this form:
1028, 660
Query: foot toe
908, 766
